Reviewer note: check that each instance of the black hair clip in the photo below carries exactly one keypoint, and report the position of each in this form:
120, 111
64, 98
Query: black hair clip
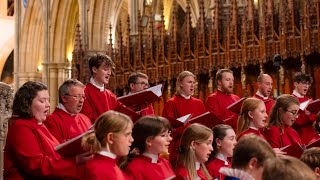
181, 149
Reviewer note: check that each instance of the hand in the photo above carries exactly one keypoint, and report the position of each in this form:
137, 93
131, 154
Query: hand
84, 157
278, 152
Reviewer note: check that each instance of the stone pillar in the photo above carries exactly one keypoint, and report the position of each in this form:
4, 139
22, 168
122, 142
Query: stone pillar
133, 13
17, 19
84, 23
6, 98
45, 61
57, 73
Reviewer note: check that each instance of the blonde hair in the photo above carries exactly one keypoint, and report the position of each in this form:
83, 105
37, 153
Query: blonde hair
282, 102
250, 104
180, 78
187, 157
108, 122
287, 168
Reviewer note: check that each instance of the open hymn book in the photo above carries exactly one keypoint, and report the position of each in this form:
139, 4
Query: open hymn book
296, 149
236, 106
142, 98
72, 147
310, 105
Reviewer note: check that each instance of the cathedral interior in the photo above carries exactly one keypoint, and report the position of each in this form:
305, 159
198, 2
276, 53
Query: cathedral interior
51, 40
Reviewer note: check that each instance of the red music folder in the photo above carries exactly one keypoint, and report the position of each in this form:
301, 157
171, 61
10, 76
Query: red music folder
72, 147
179, 121
142, 98
295, 150
315, 143
133, 115
208, 119
236, 106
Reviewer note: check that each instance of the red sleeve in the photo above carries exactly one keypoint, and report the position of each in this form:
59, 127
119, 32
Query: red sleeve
53, 127
87, 109
169, 113
28, 152
212, 105
272, 135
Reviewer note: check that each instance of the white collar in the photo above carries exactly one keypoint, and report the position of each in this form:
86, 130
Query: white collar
61, 106
254, 128
93, 82
261, 95
222, 158
154, 158
186, 97
297, 94
108, 154
197, 168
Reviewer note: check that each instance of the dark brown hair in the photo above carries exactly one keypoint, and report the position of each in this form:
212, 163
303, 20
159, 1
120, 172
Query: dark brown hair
300, 77
23, 98
98, 59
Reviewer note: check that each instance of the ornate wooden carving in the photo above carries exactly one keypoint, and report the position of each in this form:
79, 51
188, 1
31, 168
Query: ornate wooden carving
232, 35
6, 99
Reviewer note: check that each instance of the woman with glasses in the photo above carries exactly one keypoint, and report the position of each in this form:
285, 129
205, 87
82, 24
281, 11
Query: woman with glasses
151, 137
303, 124
66, 121
283, 114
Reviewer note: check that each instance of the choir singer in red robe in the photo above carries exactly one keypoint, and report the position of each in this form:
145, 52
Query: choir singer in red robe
264, 91
218, 102
283, 114
66, 121
29, 151
137, 82
99, 99
303, 123
152, 138
110, 140
181, 104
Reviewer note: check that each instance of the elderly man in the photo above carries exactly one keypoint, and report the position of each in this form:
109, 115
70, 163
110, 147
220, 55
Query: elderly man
66, 121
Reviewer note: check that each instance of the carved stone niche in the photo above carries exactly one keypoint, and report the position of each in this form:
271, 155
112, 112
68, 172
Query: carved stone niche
6, 99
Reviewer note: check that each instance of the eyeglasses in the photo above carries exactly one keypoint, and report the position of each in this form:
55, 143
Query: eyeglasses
142, 83
293, 113
77, 97
305, 83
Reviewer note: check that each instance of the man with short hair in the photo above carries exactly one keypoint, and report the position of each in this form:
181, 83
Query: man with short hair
138, 81
304, 121
264, 90
218, 102
66, 121
98, 98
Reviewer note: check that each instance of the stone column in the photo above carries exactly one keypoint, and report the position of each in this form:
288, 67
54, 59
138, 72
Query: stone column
84, 23
45, 61
17, 19
133, 13
3, 7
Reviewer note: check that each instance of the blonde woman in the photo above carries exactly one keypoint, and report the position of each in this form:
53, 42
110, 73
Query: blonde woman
194, 151
111, 139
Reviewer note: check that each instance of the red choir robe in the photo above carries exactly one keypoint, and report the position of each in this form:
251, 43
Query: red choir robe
251, 131
29, 153
177, 107
142, 167
218, 102
303, 123
102, 167
64, 126
97, 102
183, 174
148, 111
268, 102
278, 139
214, 165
